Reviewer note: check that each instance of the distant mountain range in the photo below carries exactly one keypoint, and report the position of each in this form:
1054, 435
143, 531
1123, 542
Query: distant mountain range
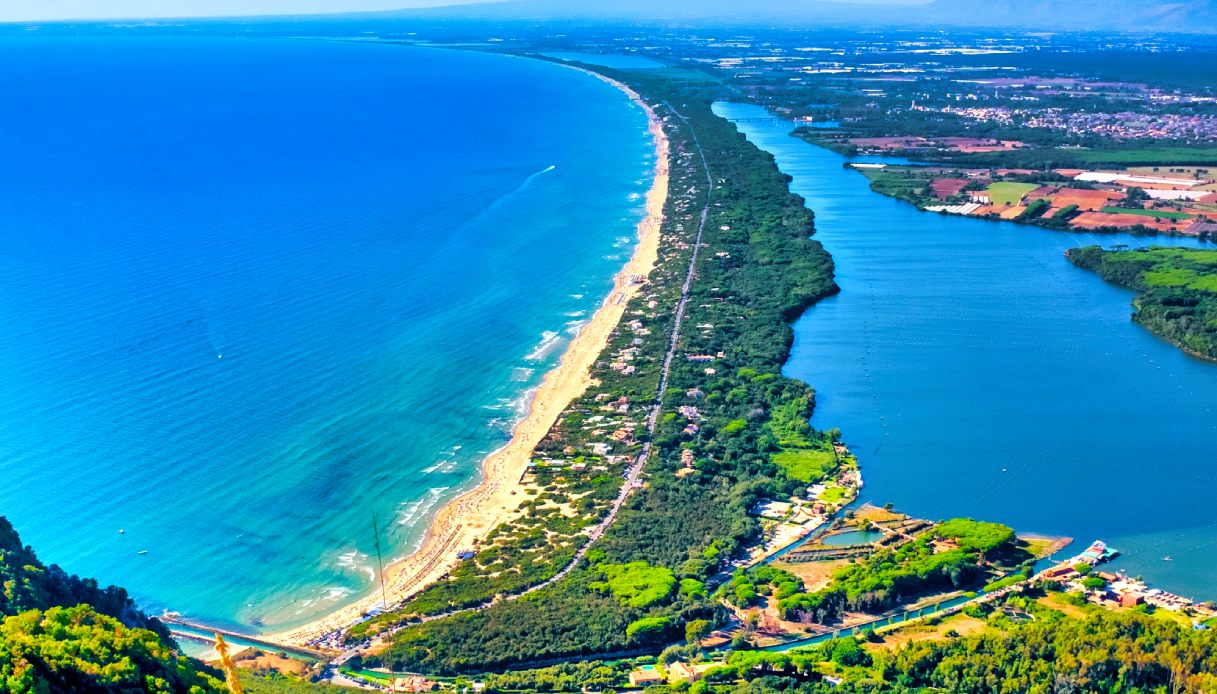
1189, 16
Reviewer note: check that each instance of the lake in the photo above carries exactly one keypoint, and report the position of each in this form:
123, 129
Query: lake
976, 372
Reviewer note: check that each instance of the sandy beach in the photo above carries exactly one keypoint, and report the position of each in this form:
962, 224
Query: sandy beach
466, 519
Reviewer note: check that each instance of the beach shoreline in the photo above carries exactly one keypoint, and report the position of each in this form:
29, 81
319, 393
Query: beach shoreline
464, 520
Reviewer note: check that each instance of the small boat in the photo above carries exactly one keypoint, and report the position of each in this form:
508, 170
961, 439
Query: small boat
122, 531
143, 551
219, 356
1167, 558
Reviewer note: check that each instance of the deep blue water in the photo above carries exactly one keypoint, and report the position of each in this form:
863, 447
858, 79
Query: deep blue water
254, 291
976, 372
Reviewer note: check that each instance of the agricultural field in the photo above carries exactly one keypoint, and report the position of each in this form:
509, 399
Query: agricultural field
1157, 214
1008, 193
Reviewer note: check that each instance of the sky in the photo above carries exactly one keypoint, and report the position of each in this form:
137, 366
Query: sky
35, 10
31, 10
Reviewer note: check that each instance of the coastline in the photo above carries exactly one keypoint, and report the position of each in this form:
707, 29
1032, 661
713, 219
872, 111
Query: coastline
463, 521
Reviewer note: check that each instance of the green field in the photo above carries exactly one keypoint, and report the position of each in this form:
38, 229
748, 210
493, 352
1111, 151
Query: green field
1149, 213
1165, 155
833, 495
1009, 193
806, 465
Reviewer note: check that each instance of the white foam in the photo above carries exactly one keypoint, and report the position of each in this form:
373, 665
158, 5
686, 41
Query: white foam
549, 342
415, 511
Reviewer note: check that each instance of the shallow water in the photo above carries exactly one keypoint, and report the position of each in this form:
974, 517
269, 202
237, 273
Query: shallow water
976, 372
255, 291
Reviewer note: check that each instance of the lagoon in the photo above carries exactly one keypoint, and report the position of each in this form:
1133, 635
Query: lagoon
976, 372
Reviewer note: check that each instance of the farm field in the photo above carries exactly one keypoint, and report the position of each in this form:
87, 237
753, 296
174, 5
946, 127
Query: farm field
1009, 193
1163, 214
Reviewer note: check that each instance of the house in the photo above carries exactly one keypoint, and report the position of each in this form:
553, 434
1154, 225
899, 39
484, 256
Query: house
680, 672
1131, 599
1059, 571
645, 675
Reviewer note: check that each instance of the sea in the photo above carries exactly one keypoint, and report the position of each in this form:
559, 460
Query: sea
976, 372
267, 303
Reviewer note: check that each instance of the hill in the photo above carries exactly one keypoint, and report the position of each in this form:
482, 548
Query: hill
63, 633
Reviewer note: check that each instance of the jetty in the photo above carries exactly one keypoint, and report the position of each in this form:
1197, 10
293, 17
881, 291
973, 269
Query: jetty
186, 628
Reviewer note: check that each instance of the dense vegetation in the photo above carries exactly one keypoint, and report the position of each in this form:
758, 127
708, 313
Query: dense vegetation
1104, 652
1177, 290
62, 633
725, 415
882, 580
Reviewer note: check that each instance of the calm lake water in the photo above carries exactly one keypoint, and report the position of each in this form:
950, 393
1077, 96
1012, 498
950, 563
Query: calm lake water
255, 291
976, 372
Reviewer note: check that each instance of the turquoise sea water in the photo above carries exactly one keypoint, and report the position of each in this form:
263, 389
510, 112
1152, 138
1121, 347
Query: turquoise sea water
254, 291
976, 372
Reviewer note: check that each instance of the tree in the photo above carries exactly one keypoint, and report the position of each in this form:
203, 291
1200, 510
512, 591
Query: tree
697, 630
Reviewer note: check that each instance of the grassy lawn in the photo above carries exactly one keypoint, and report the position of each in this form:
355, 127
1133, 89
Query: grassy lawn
1060, 603
1009, 193
902, 636
1149, 213
806, 465
833, 495
372, 675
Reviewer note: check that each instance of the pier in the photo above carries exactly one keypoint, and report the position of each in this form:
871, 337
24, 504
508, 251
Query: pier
197, 630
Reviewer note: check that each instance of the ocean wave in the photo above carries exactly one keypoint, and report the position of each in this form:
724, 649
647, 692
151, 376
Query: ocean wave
355, 562
573, 327
520, 374
414, 511
549, 342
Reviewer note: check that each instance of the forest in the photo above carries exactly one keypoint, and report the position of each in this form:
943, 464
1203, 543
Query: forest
1176, 290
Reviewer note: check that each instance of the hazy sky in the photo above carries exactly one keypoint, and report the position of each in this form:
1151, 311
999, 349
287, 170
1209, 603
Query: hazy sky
26, 10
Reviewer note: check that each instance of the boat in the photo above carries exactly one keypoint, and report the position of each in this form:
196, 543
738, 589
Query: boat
143, 551
1167, 558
